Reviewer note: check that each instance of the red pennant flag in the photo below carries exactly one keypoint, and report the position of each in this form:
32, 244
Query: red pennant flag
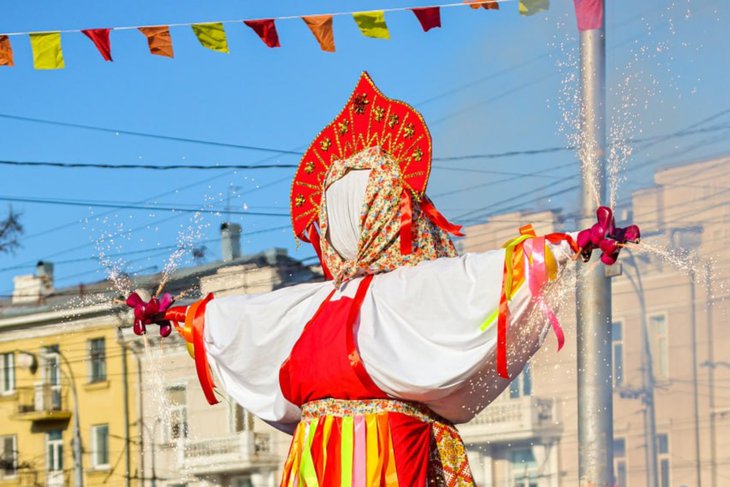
429, 17
266, 30
589, 14
100, 38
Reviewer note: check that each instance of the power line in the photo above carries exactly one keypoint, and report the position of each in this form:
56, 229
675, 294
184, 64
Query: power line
154, 167
129, 206
140, 251
145, 134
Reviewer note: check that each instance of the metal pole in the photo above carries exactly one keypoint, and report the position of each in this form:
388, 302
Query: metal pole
595, 391
140, 414
711, 371
78, 460
154, 448
696, 399
647, 382
125, 394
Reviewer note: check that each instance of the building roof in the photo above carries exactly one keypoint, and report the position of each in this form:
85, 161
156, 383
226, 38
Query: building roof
102, 296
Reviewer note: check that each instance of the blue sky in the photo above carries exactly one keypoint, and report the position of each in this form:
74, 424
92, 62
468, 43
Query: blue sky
487, 82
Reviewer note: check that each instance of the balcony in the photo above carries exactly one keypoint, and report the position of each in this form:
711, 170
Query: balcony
517, 419
228, 454
43, 402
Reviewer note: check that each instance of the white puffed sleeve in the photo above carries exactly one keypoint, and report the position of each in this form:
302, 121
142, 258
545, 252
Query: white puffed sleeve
248, 337
420, 339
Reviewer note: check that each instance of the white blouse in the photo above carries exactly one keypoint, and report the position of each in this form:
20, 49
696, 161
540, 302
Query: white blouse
419, 336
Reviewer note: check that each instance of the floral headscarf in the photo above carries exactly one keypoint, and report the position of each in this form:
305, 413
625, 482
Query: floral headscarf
379, 246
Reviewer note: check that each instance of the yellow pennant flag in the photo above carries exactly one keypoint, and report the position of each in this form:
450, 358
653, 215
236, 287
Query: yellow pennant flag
372, 24
212, 36
531, 7
47, 53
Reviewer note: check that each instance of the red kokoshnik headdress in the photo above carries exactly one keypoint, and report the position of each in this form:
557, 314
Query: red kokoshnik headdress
369, 119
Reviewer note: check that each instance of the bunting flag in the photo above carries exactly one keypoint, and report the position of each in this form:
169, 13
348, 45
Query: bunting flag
589, 14
100, 38
531, 7
372, 24
212, 35
475, 4
47, 53
321, 27
429, 17
266, 30
159, 40
6, 52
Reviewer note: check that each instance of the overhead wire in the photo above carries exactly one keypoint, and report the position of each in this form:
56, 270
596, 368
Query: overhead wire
260, 148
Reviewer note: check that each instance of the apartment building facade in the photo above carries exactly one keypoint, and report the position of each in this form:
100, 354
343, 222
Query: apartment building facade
68, 356
676, 289
59, 369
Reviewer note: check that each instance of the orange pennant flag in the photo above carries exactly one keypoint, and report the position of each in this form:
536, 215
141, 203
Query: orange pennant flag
159, 40
487, 5
321, 27
6, 52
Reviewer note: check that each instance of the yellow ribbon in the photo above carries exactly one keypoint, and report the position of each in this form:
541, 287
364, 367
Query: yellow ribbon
326, 432
372, 457
346, 452
307, 472
510, 285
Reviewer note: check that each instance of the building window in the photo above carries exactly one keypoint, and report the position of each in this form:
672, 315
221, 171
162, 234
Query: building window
660, 345
8, 456
52, 374
7, 373
100, 446
178, 420
241, 420
662, 442
522, 384
523, 468
97, 360
620, 471
617, 338
54, 449
241, 482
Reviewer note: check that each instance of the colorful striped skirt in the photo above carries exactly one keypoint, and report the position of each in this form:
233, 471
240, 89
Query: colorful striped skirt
374, 443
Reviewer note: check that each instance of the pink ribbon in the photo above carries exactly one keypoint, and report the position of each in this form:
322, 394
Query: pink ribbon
538, 276
359, 474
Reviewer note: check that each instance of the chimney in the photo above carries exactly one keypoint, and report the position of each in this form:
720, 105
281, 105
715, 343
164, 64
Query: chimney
230, 241
33, 288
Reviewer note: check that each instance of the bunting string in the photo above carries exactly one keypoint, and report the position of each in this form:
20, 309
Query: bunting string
48, 53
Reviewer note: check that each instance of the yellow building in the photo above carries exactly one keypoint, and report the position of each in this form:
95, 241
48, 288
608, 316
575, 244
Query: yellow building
61, 369
57, 341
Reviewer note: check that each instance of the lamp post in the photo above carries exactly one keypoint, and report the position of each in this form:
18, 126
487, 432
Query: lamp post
153, 435
710, 363
646, 393
78, 460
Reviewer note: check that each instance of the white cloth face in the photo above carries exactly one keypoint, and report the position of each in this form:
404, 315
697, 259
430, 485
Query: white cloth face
344, 199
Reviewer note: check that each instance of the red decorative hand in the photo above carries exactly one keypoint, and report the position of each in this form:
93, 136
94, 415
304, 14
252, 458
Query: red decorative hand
606, 236
153, 311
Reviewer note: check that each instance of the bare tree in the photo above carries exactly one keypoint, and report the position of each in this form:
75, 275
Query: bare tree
10, 230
